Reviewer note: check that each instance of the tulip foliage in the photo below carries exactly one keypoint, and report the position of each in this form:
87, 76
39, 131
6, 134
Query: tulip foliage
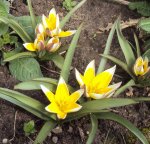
42, 42
135, 65
94, 95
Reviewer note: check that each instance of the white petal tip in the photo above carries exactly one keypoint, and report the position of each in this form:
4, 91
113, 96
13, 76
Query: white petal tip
61, 81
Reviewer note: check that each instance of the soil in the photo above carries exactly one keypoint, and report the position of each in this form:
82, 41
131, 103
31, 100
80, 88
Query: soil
95, 14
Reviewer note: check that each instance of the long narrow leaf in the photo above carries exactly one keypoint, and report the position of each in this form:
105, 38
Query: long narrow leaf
125, 46
34, 85
26, 100
95, 106
124, 87
20, 55
123, 65
94, 128
17, 28
47, 127
24, 106
107, 48
33, 20
67, 17
137, 46
125, 123
69, 56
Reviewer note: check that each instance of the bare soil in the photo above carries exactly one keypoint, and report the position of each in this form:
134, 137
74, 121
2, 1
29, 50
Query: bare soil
95, 14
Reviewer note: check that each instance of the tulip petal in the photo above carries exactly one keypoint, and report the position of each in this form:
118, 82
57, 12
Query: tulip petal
97, 96
113, 87
89, 73
103, 79
53, 108
73, 107
52, 18
66, 33
45, 21
79, 77
29, 46
76, 95
48, 93
62, 90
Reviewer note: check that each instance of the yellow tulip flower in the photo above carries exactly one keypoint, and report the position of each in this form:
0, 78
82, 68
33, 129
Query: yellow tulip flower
52, 25
97, 86
53, 44
141, 66
38, 45
62, 102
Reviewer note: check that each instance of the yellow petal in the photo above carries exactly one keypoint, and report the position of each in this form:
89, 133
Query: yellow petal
62, 91
45, 21
53, 108
52, 18
66, 33
89, 73
61, 115
97, 96
29, 46
48, 93
79, 78
73, 107
139, 61
145, 64
76, 95
103, 79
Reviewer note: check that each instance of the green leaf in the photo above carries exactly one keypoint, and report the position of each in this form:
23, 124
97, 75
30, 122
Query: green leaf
137, 46
26, 22
20, 55
68, 16
123, 65
144, 24
142, 7
58, 60
147, 54
69, 56
125, 46
95, 106
47, 127
33, 20
4, 11
25, 69
17, 28
124, 87
103, 61
125, 123
35, 85
23, 101
94, 128
29, 127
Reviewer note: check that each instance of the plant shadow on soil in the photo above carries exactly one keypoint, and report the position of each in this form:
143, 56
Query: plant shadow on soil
94, 14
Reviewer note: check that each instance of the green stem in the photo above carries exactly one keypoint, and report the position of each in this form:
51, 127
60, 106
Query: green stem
47, 127
94, 128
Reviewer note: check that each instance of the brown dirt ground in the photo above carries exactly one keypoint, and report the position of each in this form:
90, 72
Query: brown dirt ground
94, 14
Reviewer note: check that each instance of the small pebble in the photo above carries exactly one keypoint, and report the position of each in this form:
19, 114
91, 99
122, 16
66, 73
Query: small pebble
57, 130
50, 134
5, 141
70, 129
55, 139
